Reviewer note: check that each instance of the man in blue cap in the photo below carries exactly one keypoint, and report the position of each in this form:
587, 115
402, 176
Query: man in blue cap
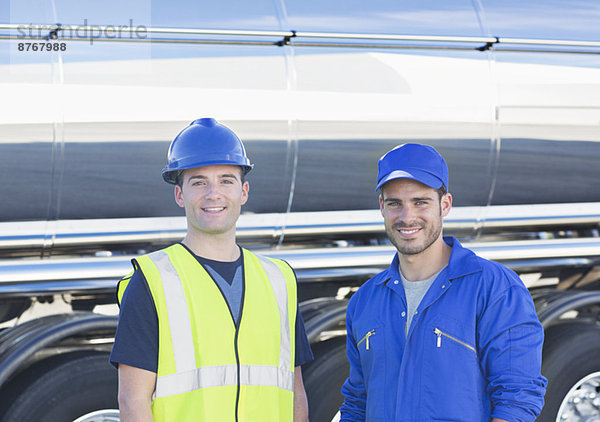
442, 334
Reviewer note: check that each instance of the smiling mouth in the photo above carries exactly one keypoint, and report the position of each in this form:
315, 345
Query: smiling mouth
213, 209
408, 232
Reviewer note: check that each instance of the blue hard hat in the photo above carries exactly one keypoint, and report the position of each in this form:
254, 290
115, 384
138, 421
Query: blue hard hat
413, 161
205, 142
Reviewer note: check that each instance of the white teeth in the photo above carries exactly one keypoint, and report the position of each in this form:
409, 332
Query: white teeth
405, 231
214, 209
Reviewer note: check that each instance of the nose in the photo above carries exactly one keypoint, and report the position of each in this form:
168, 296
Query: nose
406, 214
213, 191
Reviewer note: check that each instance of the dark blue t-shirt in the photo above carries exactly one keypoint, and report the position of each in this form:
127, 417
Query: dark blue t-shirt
229, 278
136, 340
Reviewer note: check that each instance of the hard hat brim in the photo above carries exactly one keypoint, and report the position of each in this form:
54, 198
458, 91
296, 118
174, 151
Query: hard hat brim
171, 172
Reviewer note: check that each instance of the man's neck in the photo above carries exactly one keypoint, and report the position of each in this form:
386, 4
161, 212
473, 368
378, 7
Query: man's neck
220, 247
427, 263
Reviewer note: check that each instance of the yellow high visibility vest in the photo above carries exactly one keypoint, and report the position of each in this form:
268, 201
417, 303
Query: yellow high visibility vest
209, 370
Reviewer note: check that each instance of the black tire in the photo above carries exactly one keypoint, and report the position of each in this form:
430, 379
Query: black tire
571, 352
67, 391
323, 379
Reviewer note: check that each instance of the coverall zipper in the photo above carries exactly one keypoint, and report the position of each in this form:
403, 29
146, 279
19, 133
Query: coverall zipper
439, 335
366, 338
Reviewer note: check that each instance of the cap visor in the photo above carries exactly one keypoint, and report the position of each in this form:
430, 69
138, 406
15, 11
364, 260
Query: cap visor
418, 175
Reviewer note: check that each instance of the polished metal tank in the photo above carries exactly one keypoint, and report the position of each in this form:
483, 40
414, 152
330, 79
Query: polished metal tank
86, 131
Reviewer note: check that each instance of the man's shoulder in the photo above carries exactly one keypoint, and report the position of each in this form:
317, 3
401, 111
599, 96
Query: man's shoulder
150, 256
135, 282
372, 286
283, 265
496, 269
465, 261
496, 276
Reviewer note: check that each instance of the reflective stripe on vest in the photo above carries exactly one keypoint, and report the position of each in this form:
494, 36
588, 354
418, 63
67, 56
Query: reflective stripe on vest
189, 378
216, 376
279, 286
179, 320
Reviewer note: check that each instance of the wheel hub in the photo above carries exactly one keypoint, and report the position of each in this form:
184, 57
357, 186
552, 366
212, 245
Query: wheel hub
105, 415
582, 402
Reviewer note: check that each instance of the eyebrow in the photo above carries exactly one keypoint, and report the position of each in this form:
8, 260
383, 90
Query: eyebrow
425, 198
229, 175
202, 177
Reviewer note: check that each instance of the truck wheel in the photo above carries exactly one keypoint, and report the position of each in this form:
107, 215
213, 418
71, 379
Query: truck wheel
571, 363
105, 415
68, 391
323, 380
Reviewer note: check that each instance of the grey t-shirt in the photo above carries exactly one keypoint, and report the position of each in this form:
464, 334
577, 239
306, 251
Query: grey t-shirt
230, 287
414, 292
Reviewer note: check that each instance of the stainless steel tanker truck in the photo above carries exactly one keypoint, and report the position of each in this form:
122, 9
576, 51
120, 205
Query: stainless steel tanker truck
509, 94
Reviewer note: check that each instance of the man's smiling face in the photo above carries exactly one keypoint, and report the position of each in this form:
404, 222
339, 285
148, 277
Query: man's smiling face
413, 214
212, 197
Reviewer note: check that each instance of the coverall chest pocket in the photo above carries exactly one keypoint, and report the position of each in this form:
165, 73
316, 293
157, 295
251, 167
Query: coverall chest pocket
450, 339
371, 345
370, 341
451, 358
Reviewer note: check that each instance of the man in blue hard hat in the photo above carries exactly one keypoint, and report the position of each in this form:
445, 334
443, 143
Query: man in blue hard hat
209, 331
442, 334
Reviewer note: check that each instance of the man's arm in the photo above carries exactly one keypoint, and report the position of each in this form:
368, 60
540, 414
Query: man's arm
300, 401
510, 339
135, 393
354, 390
135, 351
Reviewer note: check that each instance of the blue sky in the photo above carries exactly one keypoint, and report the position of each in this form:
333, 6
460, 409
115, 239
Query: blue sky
574, 20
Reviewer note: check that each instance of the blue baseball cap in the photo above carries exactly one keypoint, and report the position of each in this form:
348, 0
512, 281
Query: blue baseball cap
413, 161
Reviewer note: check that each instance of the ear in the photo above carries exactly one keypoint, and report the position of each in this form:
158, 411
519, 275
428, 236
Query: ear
381, 203
446, 204
179, 196
245, 190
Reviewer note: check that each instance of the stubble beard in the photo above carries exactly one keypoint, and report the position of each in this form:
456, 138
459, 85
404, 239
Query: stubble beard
202, 226
409, 247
